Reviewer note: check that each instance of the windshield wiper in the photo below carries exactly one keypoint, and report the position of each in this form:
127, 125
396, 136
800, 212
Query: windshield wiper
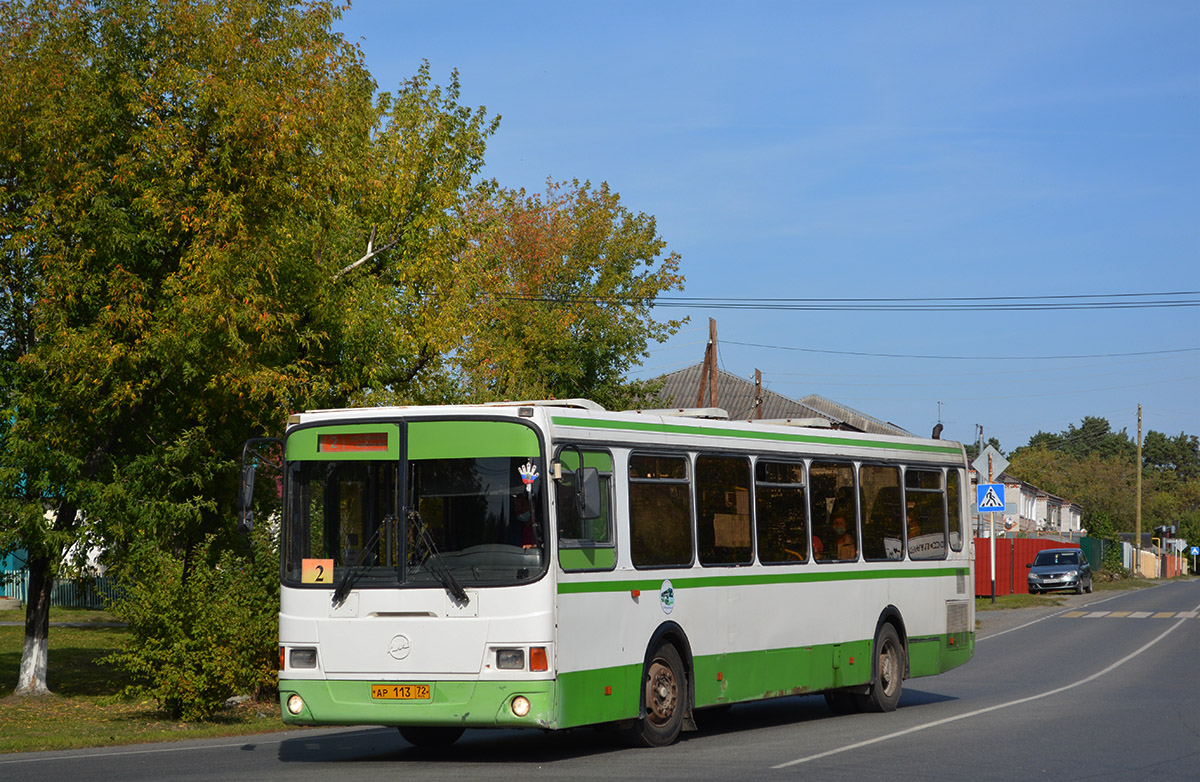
352, 574
433, 560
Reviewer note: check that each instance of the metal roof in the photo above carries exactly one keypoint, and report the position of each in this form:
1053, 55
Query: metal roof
736, 394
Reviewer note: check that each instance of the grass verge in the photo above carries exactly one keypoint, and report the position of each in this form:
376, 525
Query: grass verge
86, 709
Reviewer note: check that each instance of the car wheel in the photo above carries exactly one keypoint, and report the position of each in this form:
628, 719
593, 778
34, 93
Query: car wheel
1079, 587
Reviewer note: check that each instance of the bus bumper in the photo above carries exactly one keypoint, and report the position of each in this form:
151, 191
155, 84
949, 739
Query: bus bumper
451, 703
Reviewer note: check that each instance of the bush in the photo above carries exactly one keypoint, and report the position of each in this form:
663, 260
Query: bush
202, 628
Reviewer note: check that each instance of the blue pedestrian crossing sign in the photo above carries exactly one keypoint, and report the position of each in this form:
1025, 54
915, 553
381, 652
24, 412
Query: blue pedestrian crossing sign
1195, 550
990, 497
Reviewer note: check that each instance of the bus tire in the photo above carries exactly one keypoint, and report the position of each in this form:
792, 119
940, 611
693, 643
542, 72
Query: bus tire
430, 737
886, 685
664, 687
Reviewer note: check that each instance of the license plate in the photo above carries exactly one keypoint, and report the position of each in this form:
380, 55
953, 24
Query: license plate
400, 692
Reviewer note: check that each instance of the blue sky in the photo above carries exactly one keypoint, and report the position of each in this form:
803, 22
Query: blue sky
872, 150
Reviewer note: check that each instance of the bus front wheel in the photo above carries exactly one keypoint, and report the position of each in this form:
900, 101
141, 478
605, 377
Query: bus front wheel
427, 737
664, 686
884, 694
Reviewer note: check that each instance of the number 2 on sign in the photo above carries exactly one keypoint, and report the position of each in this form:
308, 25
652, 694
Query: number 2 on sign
316, 571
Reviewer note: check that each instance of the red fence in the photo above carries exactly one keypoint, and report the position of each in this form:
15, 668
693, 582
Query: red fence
1012, 554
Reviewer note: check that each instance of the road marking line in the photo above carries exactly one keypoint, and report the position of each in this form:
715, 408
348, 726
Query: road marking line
1187, 614
1165, 614
1120, 614
1139, 615
1056, 613
1074, 614
977, 712
1096, 614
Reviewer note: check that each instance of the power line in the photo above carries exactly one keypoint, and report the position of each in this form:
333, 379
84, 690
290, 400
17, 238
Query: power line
962, 358
1056, 302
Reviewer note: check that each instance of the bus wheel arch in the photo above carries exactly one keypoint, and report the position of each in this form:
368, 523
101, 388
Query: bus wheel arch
666, 689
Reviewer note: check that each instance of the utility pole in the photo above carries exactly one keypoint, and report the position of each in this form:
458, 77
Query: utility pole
1137, 568
709, 371
712, 363
758, 399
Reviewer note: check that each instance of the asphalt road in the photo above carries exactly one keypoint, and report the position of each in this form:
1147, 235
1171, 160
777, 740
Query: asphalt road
1105, 688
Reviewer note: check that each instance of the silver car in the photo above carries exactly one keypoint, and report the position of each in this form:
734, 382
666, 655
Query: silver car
1060, 568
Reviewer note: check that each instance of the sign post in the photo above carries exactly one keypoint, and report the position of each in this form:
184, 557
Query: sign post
991, 462
1195, 551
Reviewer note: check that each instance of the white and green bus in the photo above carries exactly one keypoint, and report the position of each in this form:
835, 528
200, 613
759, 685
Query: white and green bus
552, 565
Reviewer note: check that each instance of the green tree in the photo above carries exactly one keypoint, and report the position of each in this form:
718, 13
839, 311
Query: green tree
1094, 435
972, 449
563, 288
1179, 455
185, 187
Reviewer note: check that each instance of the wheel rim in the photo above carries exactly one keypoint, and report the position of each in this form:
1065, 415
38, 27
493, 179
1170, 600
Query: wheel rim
662, 693
889, 668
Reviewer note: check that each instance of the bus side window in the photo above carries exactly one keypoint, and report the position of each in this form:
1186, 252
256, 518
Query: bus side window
883, 512
834, 520
584, 544
723, 510
926, 509
954, 507
780, 512
660, 510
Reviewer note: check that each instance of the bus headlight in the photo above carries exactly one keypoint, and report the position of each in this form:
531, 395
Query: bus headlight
295, 704
519, 706
510, 659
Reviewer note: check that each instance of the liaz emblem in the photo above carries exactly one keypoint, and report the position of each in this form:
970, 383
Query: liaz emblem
666, 597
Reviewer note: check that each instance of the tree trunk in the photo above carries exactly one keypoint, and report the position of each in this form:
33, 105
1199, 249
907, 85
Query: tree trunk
32, 677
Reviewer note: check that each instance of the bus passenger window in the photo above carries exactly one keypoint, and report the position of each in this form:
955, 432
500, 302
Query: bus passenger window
660, 511
779, 512
926, 514
954, 507
834, 518
883, 512
723, 510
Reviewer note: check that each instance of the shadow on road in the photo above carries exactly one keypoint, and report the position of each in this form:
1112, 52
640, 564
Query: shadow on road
384, 745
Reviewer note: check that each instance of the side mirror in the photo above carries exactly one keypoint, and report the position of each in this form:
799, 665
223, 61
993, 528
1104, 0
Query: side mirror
587, 493
256, 450
245, 521
1028, 564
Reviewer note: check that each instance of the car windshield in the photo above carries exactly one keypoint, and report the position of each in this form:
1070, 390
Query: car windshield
1057, 558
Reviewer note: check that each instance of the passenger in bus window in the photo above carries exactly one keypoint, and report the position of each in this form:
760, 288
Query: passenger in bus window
846, 548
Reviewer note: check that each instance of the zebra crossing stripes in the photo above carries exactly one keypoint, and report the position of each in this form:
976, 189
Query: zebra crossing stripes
1130, 615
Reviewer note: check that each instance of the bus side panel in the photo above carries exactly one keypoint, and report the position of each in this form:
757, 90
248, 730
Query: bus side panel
598, 671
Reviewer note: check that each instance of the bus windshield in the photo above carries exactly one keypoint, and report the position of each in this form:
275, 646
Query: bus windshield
483, 517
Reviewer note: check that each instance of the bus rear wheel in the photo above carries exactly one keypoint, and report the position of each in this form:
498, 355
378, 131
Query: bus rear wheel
884, 694
429, 737
664, 686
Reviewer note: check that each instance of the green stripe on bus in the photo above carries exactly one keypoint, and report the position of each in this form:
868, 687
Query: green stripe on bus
640, 426
755, 579
610, 694
470, 440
